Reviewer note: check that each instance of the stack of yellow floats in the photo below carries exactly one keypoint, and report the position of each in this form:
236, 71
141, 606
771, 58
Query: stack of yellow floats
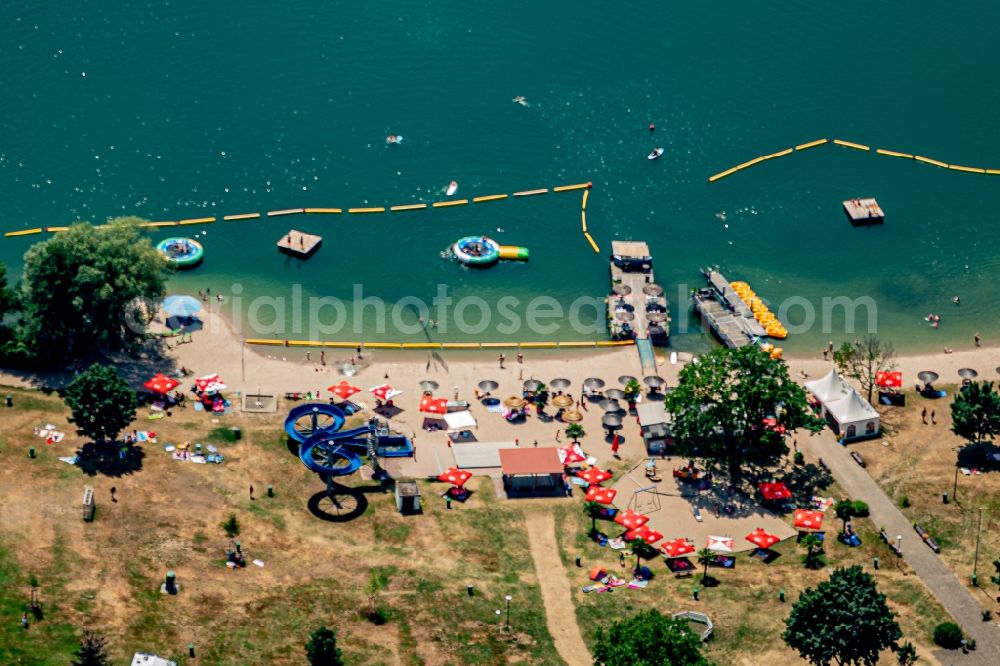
761, 313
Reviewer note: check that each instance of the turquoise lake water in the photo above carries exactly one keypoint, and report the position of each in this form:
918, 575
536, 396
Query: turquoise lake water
171, 110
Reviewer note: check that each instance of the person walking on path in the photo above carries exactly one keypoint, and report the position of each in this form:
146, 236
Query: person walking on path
614, 446
251, 493
113, 491
322, 357
933, 422
520, 357
923, 415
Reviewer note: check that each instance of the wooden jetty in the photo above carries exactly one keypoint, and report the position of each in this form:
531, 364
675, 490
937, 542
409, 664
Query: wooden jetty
299, 244
727, 316
637, 307
864, 211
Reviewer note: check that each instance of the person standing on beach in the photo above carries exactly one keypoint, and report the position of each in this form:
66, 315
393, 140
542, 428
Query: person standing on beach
977, 339
923, 415
359, 351
251, 493
322, 357
503, 357
520, 357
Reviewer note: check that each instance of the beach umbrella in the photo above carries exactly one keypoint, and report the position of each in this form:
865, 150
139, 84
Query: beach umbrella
180, 305
719, 544
514, 402
654, 306
531, 384
625, 379
343, 390
887, 379
384, 392
762, 539
610, 405
630, 519
432, 405
615, 394
488, 385
455, 476
654, 381
624, 315
593, 383
160, 383
594, 475
808, 519
571, 454
645, 533
967, 373
600, 494
928, 376
429, 385
209, 384
572, 416
560, 384
621, 289
774, 491
656, 317
611, 421
562, 401
652, 289
677, 548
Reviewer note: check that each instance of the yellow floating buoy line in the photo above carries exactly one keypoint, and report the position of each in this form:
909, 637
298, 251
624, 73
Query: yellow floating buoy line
854, 146
364, 210
575, 344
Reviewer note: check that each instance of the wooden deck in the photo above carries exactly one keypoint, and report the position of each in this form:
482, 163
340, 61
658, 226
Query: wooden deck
726, 314
299, 244
636, 301
864, 211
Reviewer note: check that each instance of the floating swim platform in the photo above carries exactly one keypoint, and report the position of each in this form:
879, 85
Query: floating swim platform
181, 252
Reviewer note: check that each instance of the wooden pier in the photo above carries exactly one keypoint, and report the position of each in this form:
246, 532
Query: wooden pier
636, 297
727, 316
864, 211
299, 244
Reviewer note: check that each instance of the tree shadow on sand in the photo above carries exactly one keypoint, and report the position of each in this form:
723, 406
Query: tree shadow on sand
106, 459
979, 456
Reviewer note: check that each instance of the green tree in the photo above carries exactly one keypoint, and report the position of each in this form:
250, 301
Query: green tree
906, 654
843, 620
863, 359
975, 413
80, 289
814, 548
721, 402
632, 389
648, 638
541, 397
102, 403
7, 305
322, 650
92, 651
575, 431
373, 588
844, 510
593, 510
705, 556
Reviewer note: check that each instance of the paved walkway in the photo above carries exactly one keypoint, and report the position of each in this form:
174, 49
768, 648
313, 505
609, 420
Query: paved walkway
560, 615
925, 563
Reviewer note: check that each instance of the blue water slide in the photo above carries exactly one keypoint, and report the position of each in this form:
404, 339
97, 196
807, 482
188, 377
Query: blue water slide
332, 454
303, 421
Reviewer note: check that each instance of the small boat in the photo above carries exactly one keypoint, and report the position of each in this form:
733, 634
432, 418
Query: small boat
394, 138
452, 188
655, 155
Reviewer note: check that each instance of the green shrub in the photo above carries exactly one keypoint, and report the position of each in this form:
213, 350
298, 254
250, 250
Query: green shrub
799, 458
859, 508
231, 526
948, 635
904, 501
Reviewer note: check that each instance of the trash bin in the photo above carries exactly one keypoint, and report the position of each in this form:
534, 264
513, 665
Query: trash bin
237, 433
10, 400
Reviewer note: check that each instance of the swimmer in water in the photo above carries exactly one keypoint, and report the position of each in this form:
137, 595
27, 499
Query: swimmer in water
520, 100
956, 300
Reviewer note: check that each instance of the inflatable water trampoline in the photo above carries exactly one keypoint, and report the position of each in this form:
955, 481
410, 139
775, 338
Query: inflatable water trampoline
483, 251
181, 252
